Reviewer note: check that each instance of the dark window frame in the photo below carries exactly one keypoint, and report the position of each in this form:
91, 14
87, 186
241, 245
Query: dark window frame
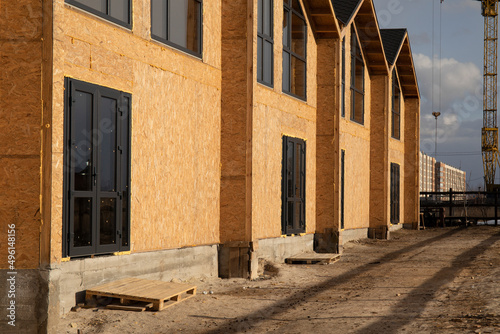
395, 193
289, 174
357, 58
261, 36
175, 45
123, 231
396, 106
102, 15
288, 12
342, 87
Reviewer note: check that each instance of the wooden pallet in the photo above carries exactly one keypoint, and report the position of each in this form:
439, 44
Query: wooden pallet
160, 294
313, 258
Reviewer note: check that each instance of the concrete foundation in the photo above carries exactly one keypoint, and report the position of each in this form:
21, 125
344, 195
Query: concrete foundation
69, 280
278, 249
354, 234
30, 307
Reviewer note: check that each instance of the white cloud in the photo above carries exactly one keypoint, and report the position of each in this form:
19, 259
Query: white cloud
460, 82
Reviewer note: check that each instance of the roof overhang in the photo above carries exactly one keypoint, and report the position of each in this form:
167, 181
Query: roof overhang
368, 30
406, 70
321, 17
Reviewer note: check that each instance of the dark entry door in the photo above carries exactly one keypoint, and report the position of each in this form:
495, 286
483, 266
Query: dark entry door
394, 193
97, 169
293, 186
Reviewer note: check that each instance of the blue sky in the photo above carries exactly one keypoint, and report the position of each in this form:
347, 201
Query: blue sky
457, 75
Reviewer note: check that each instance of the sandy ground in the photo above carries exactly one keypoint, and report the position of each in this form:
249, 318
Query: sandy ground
432, 281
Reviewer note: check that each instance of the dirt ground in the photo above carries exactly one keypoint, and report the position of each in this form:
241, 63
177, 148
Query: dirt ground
433, 281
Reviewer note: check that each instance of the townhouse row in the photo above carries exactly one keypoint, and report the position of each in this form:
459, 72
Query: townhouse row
172, 139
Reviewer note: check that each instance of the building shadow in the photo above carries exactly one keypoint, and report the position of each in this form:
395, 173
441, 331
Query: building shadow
249, 321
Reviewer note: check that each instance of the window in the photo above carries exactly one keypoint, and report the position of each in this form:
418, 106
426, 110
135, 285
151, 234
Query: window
396, 105
342, 87
96, 169
265, 68
357, 81
293, 186
394, 193
117, 11
178, 23
294, 49
342, 183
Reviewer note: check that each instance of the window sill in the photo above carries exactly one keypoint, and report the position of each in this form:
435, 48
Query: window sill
174, 47
298, 98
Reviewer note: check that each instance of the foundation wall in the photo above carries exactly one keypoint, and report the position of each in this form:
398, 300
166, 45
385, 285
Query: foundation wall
175, 139
278, 249
69, 280
30, 302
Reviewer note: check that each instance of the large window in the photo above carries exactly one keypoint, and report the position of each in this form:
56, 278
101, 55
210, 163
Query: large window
395, 193
357, 81
96, 170
342, 87
117, 11
265, 42
396, 106
293, 186
178, 23
294, 49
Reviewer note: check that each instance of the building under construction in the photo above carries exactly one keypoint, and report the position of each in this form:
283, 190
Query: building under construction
172, 140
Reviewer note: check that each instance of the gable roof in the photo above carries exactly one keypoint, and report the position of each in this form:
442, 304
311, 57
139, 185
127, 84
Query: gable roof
345, 9
392, 39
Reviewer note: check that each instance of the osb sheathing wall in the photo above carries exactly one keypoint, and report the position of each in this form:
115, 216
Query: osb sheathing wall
397, 153
276, 114
21, 32
412, 166
237, 90
379, 152
354, 138
175, 140
255, 118
327, 134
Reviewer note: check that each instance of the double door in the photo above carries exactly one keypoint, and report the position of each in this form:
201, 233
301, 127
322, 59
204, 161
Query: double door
97, 169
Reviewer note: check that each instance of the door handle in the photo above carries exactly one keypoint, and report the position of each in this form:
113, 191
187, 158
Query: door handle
94, 176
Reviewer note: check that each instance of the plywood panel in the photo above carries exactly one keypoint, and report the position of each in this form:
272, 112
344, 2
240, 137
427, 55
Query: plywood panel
235, 96
20, 107
20, 184
176, 98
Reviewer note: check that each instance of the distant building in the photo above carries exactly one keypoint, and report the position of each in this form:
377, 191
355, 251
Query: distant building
448, 177
438, 176
427, 173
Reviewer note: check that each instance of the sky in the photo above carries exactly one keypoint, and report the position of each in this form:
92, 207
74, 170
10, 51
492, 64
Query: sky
456, 91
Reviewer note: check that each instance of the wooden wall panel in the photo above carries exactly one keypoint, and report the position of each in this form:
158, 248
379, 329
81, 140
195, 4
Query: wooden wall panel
379, 156
176, 122
235, 62
355, 140
20, 119
327, 145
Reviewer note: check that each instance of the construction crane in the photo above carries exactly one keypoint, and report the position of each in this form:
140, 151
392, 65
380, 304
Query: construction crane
489, 132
